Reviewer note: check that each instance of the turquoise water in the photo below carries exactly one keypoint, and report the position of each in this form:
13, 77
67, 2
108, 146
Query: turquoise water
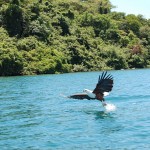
34, 114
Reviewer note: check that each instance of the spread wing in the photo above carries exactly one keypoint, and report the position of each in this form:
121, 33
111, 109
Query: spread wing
80, 96
105, 83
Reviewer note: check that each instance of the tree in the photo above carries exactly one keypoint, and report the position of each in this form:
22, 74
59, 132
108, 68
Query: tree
14, 20
100, 24
104, 7
113, 35
56, 36
144, 34
133, 23
64, 26
11, 62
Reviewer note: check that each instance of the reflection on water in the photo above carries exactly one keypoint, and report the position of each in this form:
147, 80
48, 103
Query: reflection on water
103, 115
100, 114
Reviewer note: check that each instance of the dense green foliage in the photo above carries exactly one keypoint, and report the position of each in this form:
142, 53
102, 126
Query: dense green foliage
57, 36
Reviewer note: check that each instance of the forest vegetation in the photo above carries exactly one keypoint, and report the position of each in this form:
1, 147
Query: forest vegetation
60, 36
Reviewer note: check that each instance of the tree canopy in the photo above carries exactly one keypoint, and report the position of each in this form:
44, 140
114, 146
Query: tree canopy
49, 36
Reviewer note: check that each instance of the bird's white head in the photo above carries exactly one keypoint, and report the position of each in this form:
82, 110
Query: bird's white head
89, 93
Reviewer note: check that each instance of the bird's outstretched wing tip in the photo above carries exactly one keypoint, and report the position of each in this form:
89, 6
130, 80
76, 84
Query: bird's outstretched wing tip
105, 75
105, 83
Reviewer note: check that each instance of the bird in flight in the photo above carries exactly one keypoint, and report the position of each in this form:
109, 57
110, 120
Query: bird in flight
103, 87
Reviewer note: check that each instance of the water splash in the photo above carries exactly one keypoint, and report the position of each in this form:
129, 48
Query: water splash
110, 107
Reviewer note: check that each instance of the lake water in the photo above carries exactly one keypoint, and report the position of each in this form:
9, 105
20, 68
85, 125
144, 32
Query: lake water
36, 115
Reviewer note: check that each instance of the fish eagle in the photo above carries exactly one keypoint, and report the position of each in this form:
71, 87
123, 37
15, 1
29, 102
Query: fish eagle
103, 87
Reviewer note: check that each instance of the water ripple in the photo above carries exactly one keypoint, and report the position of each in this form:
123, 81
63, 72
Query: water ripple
34, 114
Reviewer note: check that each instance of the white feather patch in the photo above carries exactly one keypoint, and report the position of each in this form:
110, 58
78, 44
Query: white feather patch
89, 93
106, 93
